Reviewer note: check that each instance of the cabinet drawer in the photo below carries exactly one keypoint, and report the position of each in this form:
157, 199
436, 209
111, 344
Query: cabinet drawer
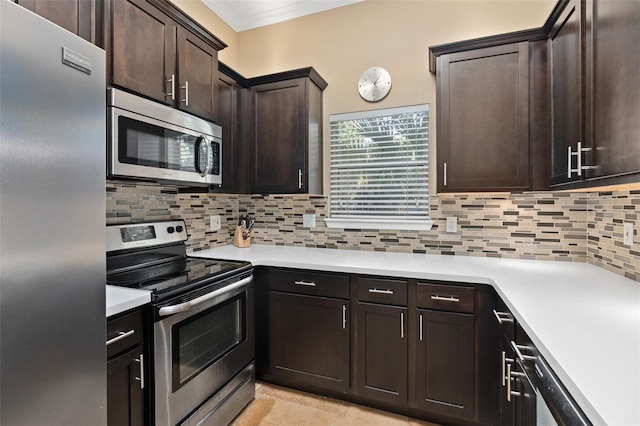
380, 290
446, 297
311, 283
124, 332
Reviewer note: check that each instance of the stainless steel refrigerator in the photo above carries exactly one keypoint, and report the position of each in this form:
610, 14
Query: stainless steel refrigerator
52, 216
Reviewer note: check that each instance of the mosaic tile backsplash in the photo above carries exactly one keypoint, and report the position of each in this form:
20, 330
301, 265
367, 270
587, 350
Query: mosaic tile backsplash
576, 227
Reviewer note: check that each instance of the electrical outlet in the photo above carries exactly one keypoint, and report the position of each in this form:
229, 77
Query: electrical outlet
627, 234
309, 220
215, 223
452, 224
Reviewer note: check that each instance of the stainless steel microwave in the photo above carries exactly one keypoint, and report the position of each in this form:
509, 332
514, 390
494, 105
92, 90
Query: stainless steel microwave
151, 141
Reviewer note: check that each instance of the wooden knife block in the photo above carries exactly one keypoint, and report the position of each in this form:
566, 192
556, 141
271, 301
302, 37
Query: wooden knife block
238, 241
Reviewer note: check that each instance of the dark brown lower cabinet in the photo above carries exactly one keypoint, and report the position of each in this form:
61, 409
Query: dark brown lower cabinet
445, 363
382, 352
309, 340
125, 396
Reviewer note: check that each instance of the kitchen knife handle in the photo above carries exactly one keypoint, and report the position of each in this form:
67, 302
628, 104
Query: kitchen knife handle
121, 335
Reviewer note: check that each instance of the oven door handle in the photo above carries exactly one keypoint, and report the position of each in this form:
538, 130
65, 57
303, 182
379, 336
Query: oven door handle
174, 309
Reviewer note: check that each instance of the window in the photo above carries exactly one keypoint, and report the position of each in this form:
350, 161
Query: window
380, 169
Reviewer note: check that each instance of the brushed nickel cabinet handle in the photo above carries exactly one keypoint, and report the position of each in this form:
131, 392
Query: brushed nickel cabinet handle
121, 335
521, 356
445, 174
378, 291
421, 327
140, 360
172, 80
186, 93
306, 283
444, 298
502, 317
344, 317
402, 325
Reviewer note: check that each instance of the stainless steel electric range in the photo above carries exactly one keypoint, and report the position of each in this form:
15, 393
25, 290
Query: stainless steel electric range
202, 317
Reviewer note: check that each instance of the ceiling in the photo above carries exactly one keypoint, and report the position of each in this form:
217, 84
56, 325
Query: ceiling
244, 15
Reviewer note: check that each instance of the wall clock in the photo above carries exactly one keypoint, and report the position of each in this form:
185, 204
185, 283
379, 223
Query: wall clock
374, 84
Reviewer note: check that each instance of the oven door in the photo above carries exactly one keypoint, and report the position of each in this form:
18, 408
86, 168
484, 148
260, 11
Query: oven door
199, 349
146, 148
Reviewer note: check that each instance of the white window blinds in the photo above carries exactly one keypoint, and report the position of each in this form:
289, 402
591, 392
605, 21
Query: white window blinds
380, 164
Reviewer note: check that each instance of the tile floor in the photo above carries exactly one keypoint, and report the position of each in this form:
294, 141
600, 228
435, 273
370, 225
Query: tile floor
279, 406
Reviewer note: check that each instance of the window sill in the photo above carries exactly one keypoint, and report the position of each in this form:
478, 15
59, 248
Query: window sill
396, 224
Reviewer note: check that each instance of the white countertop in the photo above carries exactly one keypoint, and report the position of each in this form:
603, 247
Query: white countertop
120, 299
584, 320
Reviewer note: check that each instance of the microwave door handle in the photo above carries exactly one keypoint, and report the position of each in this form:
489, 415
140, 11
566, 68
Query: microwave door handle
207, 166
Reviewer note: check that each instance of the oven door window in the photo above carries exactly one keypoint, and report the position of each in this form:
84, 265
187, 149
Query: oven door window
206, 337
145, 144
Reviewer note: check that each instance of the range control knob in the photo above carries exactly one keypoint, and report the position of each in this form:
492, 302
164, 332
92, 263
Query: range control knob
179, 228
170, 230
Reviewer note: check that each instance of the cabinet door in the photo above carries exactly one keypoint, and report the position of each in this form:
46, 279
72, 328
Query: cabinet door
613, 85
125, 395
309, 340
144, 49
565, 60
483, 119
227, 94
445, 363
279, 146
198, 75
382, 353
77, 16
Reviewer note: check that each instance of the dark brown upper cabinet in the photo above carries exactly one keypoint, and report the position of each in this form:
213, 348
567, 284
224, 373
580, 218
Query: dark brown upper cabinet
566, 75
612, 92
234, 101
159, 52
595, 84
286, 148
483, 119
81, 17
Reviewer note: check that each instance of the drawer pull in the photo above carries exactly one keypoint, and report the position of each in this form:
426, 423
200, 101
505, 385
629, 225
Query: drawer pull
121, 335
344, 317
402, 325
307, 283
421, 327
502, 316
519, 348
140, 360
444, 298
378, 291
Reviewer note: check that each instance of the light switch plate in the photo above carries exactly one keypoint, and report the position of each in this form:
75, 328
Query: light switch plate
309, 220
628, 234
452, 224
215, 222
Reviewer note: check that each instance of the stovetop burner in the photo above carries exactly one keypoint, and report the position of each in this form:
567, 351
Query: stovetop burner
159, 264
